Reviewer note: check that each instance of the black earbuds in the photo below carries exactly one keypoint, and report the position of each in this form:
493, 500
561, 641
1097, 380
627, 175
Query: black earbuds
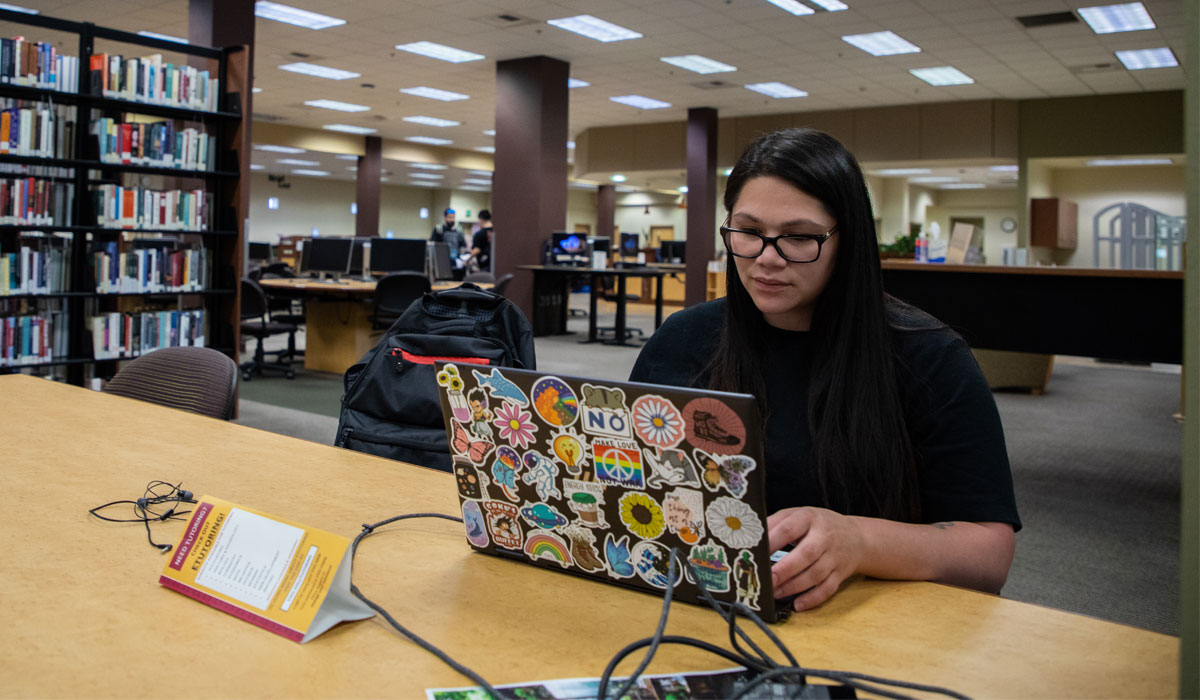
157, 493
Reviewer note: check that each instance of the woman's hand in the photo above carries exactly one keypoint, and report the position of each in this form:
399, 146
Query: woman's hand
829, 548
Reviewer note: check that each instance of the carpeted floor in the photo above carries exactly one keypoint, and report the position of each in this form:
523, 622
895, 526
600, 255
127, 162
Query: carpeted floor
1095, 460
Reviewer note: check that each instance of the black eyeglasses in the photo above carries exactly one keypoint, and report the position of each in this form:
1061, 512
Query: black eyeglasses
792, 247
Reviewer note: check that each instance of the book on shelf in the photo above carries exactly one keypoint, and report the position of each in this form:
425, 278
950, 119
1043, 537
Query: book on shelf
37, 64
151, 269
32, 331
42, 129
41, 264
118, 206
126, 335
36, 201
148, 79
158, 144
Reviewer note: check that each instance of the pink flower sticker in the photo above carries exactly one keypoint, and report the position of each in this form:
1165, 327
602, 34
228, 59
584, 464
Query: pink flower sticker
515, 425
657, 421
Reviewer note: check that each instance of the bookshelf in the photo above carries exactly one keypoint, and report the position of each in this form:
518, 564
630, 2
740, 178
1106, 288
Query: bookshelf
123, 195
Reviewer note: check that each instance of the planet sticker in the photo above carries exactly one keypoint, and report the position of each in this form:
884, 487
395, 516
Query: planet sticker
555, 402
544, 516
714, 427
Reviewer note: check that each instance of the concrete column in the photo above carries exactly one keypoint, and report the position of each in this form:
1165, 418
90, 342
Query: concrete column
606, 210
701, 200
366, 222
221, 23
530, 181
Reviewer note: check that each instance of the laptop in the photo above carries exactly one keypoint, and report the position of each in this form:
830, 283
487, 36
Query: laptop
601, 479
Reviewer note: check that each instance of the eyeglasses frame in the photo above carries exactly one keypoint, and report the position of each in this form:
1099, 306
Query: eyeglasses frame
774, 241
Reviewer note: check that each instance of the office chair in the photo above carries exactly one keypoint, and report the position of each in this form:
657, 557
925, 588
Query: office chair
501, 285
200, 380
284, 308
257, 322
393, 295
486, 277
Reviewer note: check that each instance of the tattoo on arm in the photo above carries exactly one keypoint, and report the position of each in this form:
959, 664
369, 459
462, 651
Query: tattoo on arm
942, 526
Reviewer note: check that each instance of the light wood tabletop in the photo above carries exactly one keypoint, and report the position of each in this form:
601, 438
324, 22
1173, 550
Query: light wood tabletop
84, 615
347, 286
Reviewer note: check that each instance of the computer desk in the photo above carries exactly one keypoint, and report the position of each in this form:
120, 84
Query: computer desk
337, 326
84, 615
551, 295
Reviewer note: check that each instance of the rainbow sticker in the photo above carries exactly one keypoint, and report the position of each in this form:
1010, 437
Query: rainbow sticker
555, 402
618, 462
543, 544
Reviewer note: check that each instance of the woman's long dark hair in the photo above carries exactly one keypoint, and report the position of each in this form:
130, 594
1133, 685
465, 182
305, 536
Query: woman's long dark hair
863, 456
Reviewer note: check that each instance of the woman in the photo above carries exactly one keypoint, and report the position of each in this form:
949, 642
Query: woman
884, 451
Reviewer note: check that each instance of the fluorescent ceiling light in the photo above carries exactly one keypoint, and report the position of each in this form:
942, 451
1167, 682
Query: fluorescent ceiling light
474, 189
278, 149
618, 178
319, 71
421, 183
432, 141
963, 186
898, 172
1004, 168
427, 166
777, 90
350, 128
1129, 161
570, 145
486, 149
431, 121
698, 64
796, 8
1148, 58
435, 94
296, 161
440, 51
256, 166
594, 28
427, 176
683, 189
477, 181
625, 188
352, 168
1108, 19
17, 8
640, 102
484, 173
256, 90
933, 179
489, 132
383, 179
830, 5
294, 15
315, 173
339, 106
942, 75
576, 83
347, 156
582, 185
881, 43
164, 37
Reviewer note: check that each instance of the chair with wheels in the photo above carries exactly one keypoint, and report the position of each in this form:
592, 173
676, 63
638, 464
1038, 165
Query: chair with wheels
257, 322
393, 294
200, 380
501, 285
284, 308
485, 277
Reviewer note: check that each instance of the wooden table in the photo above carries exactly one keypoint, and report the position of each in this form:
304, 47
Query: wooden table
84, 615
337, 326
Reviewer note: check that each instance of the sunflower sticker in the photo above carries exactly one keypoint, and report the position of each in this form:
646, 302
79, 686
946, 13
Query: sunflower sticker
642, 515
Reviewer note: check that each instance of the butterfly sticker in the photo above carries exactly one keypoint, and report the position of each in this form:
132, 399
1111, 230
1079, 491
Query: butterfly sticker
724, 470
475, 450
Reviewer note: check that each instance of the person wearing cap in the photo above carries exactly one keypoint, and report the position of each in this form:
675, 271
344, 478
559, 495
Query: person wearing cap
449, 232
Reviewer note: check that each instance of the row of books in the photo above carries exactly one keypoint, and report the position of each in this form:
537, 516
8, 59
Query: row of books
36, 202
117, 206
37, 129
149, 80
37, 64
158, 143
151, 269
32, 333
41, 265
122, 335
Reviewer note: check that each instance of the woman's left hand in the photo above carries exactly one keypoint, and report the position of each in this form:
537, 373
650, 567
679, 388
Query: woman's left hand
829, 548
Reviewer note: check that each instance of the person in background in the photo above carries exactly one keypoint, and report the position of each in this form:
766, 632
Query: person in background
481, 242
448, 232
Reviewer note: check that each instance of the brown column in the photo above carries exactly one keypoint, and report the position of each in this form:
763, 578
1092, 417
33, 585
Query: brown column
530, 183
606, 211
221, 23
701, 200
366, 222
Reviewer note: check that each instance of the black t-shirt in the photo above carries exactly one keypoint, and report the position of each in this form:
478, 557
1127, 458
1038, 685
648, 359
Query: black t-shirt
963, 470
482, 240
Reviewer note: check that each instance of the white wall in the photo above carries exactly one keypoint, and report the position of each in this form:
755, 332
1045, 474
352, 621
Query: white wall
631, 213
581, 209
992, 205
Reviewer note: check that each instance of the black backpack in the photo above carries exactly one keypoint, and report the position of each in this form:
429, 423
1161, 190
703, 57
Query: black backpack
391, 406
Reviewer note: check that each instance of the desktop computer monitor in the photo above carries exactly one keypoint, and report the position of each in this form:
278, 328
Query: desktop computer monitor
568, 248
630, 245
260, 252
441, 265
398, 255
671, 251
356, 256
328, 255
601, 244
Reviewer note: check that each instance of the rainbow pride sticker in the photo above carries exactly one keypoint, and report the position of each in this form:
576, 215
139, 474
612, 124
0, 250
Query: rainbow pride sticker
619, 463
544, 544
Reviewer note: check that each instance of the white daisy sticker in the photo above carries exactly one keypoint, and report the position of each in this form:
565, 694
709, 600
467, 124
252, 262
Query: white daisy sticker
733, 522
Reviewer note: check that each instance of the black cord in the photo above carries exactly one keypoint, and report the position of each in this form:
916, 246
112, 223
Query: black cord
654, 641
157, 492
415, 638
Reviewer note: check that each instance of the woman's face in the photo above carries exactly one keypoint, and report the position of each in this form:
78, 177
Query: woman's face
785, 292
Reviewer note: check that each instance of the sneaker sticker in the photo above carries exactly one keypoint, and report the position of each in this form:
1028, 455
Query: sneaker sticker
713, 427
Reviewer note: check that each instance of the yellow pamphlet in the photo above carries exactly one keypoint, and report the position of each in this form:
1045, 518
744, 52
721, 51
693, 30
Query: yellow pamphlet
282, 576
